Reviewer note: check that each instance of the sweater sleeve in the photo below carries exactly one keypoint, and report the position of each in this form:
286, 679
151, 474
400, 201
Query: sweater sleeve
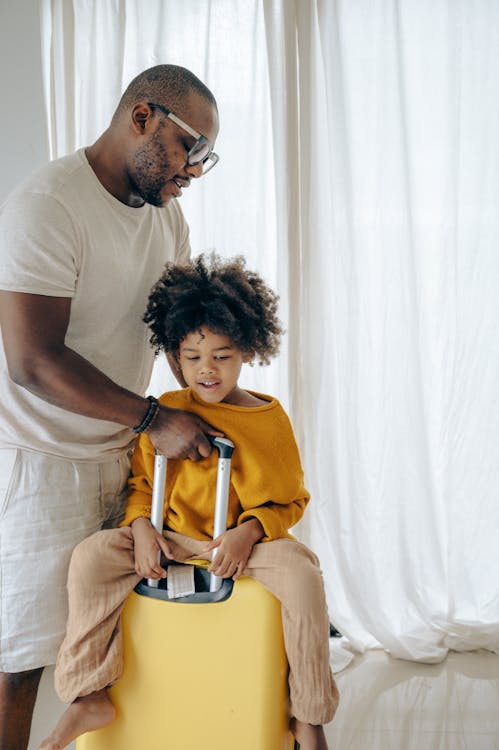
276, 519
268, 477
139, 498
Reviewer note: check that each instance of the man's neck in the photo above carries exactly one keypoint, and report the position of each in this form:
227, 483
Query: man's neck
110, 170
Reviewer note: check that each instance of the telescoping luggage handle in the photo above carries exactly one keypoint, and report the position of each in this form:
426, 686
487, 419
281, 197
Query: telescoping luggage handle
225, 448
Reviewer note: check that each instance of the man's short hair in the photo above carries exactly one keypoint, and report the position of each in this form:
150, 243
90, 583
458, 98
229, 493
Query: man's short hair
164, 84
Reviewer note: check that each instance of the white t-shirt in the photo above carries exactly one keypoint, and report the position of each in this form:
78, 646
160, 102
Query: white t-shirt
63, 235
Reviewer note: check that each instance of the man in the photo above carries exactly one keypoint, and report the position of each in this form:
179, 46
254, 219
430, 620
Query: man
81, 244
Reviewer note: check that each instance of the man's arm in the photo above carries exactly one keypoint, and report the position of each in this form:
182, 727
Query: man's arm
34, 329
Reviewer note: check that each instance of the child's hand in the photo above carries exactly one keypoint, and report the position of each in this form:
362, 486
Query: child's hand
234, 548
148, 543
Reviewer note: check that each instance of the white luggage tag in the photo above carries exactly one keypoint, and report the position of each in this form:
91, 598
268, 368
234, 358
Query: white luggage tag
180, 580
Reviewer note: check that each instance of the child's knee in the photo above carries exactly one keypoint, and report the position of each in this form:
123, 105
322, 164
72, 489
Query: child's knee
303, 562
92, 557
83, 557
306, 578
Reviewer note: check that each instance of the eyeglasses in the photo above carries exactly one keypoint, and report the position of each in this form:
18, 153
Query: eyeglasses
201, 152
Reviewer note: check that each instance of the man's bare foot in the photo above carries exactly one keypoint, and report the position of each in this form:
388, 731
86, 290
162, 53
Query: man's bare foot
309, 736
84, 715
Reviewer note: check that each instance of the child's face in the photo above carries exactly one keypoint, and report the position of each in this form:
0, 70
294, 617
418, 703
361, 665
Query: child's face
211, 364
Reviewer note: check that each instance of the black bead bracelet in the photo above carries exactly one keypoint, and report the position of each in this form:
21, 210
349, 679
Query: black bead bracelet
149, 416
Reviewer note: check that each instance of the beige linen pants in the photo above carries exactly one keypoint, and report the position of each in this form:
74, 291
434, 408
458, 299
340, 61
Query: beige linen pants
102, 574
47, 506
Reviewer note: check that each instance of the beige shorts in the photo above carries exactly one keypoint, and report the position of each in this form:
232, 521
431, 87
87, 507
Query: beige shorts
47, 506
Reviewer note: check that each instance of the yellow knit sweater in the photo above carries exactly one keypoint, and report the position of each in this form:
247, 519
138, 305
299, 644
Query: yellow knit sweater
266, 478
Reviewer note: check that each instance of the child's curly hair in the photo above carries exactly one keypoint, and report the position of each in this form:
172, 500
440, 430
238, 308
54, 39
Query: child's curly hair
223, 296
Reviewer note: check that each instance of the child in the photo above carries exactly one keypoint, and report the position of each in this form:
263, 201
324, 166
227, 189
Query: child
212, 317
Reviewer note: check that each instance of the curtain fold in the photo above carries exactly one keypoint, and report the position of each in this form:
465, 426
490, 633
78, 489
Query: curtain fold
359, 173
282, 72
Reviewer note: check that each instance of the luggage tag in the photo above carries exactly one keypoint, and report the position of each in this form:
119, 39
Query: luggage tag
180, 580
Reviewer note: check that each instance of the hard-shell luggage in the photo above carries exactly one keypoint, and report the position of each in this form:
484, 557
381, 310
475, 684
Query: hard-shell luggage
207, 670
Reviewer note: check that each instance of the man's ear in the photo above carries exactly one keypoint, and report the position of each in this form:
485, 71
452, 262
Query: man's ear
141, 115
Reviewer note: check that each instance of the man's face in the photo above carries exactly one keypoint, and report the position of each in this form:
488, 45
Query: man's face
158, 169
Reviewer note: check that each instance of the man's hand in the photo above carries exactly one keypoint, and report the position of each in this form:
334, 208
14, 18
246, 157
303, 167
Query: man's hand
147, 545
181, 434
233, 549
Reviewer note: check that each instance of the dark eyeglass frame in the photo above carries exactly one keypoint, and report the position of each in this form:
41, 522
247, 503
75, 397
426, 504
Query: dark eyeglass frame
208, 160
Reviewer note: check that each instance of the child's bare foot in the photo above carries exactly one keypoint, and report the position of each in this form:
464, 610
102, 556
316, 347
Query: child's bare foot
309, 736
84, 715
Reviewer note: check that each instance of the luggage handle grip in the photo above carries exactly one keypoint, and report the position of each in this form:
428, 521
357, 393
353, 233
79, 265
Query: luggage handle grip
225, 448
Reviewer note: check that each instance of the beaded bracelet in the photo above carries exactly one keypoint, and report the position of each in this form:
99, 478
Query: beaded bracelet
149, 416
153, 419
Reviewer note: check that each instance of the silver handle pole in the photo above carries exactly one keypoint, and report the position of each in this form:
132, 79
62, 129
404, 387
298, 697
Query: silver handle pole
221, 510
158, 501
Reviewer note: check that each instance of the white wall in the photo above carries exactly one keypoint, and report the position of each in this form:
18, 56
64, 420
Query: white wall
23, 148
23, 133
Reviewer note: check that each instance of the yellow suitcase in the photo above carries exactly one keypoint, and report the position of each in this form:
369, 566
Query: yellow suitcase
205, 671
209, 675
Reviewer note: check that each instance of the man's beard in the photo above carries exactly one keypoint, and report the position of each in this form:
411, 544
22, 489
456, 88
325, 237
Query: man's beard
151, 165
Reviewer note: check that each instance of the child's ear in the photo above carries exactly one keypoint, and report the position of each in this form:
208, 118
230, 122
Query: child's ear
247, 358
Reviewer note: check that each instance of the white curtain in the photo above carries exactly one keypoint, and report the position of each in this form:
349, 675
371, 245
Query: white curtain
359, 172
